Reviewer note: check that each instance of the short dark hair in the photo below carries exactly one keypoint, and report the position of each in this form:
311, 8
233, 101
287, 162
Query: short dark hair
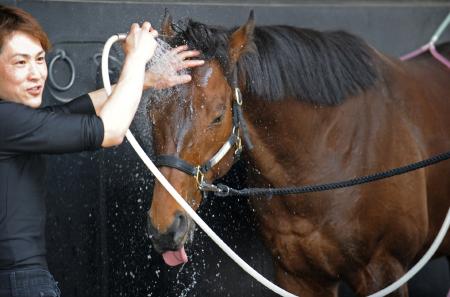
14, 19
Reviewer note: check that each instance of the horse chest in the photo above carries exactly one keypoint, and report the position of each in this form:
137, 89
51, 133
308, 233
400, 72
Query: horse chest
297, 243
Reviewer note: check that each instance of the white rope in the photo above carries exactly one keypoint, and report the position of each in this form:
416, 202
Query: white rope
247, 268
440, 30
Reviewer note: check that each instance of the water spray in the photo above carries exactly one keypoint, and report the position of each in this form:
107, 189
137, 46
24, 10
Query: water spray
180, 200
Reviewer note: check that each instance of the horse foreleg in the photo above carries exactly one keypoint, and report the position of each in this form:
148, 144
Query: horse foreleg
382, 271
305, 287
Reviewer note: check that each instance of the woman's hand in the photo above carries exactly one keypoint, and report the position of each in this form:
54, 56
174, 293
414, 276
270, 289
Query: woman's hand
140, 42
169, 79
118, 111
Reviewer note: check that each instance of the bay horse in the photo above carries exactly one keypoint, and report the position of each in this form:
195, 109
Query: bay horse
317, 107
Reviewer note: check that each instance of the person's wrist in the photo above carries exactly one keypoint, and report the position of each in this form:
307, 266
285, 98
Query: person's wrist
135, 62
132, 70
147, 85
148, 81
135, 58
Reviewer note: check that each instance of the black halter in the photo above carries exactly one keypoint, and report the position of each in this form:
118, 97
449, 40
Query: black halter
198, 171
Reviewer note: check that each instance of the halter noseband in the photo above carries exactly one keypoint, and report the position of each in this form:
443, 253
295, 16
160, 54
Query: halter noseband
199, 171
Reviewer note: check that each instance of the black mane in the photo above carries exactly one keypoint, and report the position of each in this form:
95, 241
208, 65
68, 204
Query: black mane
320, 67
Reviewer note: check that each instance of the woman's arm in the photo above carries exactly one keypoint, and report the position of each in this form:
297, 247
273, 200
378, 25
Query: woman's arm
157, 81
118, 111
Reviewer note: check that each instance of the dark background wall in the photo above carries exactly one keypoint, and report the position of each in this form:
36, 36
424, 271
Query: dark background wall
97, 201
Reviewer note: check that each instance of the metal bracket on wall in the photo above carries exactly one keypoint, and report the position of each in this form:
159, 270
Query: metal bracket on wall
60, 54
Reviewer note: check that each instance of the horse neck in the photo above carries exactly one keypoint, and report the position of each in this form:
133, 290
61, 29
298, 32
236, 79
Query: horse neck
297, 143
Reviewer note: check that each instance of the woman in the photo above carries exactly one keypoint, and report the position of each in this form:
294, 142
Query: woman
89, 122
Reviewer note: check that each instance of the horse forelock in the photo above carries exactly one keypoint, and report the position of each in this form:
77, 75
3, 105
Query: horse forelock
322, 68
211, 41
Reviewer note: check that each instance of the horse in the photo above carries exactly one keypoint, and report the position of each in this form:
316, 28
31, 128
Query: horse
307, 107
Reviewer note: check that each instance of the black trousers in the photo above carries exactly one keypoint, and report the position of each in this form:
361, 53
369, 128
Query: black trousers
28, 282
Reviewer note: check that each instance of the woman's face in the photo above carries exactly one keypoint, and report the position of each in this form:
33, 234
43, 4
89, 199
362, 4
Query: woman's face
23, 70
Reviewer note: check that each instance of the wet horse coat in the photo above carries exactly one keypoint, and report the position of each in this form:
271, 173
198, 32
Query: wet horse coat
319, 107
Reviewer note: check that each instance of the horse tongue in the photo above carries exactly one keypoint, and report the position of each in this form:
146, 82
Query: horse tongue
174, 258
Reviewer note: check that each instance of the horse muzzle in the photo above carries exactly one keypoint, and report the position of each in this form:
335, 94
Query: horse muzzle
171, 243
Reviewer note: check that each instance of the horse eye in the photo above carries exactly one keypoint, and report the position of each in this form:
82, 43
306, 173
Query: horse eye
217, 120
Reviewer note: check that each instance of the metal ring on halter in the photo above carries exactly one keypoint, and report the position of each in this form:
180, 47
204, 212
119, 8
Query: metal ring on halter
199, 177
238, 96
61, 54
238, 142
238, 149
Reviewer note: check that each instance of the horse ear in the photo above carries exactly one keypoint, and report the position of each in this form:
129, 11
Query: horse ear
241, 40
166, 26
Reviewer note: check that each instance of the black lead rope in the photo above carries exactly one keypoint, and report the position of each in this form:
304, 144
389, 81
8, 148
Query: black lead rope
224, 190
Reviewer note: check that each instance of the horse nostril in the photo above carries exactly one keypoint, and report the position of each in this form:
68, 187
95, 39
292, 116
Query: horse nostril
174, 235
179, 226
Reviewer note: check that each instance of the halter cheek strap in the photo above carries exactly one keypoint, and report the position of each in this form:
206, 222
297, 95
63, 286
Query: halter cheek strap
198, 171
239, 126
180, 164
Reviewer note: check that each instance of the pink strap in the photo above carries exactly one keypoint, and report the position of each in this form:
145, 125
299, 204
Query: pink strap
424, 48
415, 53
438, 56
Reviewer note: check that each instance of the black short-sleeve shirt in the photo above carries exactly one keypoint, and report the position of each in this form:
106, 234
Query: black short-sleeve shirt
25, 135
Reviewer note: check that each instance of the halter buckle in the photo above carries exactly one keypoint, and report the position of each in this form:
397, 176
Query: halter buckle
238, 149
238, 96
199, 177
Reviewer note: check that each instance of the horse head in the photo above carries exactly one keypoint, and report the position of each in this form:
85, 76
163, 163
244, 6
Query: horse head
196, 131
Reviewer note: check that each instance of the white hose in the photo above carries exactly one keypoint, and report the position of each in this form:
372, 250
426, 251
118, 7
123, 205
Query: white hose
257, 276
